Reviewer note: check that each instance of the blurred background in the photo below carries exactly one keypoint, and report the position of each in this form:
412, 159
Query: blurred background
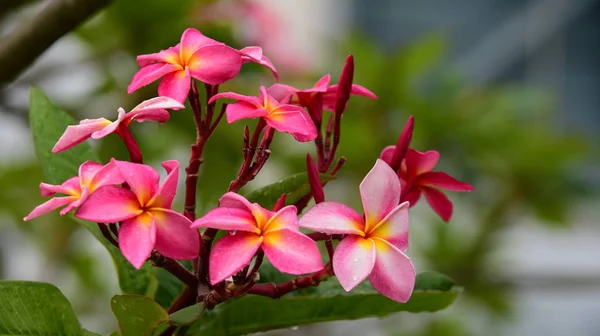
507, 91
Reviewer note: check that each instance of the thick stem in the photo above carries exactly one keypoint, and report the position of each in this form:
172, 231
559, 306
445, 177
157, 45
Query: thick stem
318, 236
107, 234
191, 179
257, 263
135, 154
174, 268
276, 291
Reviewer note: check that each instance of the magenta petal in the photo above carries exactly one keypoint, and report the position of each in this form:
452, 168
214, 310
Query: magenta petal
239, 97
292, 119
243, 110
233, 200
285, 218
191, 41
171, 55
174, 237
419, 163
76, 134
394, 227
333, 218
353, 260
149, 74
380, 192
252, 53
158, 103
438, 202
142, 179
175, 85
136, 239
227, 219
215, 64
281, 91
442, 180
292, 252
87, 170
110, 128
109, 204
412, 196
153, 110
394, 274
108, 174
231, 253
321, 85
387, 153
163, 198
358, 90
49, 205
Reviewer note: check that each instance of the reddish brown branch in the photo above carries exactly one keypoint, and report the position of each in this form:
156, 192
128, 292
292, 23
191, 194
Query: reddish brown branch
276, 291
174, 268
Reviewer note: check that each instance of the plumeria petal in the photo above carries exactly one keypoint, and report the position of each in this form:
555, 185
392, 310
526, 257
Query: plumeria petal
49, 205
353, 260
109, 204
85, 193
281, 91
153, 110
394, 274
291, 251
87, 170
387, 153
442, 180
191, 41
419, 163
76, 134
255, 54
333, 218
110, 128
136, 238
174, 237
149, 74
321, 85
228, 219
292, 119
394, 227
231, 253
69, 187
236, 96
233, 200
412, 196
108, 174
286, 218
175, 85
215, 64
171, 55
243, 110
163, 198
158, 103
142, 179
380, 193
438, 202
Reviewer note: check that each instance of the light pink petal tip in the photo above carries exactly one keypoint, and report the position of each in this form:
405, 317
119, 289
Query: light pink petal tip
394, 227
76, 134
159, 103
48, 206
215, 64
292, 252
394, 274
136, 239
174, 237
231, 253
333, 218
380, 192
353, 260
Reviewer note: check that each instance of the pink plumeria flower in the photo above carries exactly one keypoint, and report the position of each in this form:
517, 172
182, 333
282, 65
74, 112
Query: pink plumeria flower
255, 54
92, 175
145, 212
374, 246
307, 97
150, 110
417, 178
254, 227
282, 117
196, 56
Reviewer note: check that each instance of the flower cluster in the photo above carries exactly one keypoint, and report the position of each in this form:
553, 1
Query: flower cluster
135, 211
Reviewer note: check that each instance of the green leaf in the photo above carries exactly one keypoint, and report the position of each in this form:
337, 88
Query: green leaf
35, 308
252, 313
187, 315
47, 125
137, 314
294, 187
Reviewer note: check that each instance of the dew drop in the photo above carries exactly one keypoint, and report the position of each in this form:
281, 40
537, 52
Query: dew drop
232, 233
356, 259
294, 328
354, 277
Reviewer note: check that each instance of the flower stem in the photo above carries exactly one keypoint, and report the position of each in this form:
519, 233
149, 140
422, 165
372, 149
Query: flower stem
174, 268
135, 154
276, 291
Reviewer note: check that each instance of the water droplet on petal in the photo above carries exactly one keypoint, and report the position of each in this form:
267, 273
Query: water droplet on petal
354, 277
294, 328
232, 233
355, 259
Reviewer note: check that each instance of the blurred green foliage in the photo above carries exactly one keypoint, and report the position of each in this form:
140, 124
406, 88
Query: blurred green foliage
502, 139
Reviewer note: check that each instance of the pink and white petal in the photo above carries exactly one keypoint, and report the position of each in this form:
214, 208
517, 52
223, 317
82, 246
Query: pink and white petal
394, 227
109, 204
160, 103
232, 219
175, 85
333, 218
281, 91
76, 134
108, 174
163, 198
285, 218
292, 119
191, 41
442, 180
136, 238
387, 153
239, 97
243, 110
394, 274
215, 64
149, 74
438, 202
158, 115
291, 251
49, 205
174, 236
353, 261
231, 253
380, 193
419, 162
171, 55
142, 179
